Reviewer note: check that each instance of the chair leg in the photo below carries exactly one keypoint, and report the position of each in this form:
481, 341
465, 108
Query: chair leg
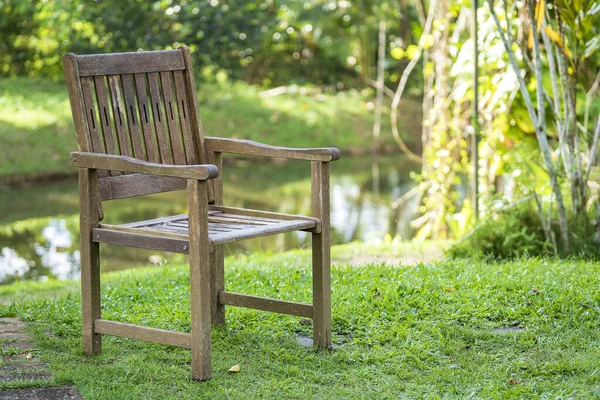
321, 258
90, 260
217, 281
321, 291
200, 286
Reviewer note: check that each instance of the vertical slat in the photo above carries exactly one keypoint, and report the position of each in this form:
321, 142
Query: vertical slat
91, 116
116, 101
171, 117
321, 259
131, 111
195, 122
78, 108
159, 117
184, 118
90, 259
200, 286
107, 133
217, 256
142, 98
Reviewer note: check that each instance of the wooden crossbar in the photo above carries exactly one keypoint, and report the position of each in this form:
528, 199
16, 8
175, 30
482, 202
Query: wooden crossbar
154, 335
266, 304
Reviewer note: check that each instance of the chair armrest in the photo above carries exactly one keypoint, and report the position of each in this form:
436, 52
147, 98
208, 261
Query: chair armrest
249, 147
129, 164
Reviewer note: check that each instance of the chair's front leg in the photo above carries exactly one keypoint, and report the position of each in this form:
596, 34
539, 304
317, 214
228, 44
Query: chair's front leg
90, 259
321, 258
200, 286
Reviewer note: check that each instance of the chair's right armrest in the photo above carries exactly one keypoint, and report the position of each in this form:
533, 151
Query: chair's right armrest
111, 162
252, 148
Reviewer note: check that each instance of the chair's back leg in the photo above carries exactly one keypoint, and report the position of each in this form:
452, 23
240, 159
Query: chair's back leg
217, 258
321, 259
200, 286
90, 259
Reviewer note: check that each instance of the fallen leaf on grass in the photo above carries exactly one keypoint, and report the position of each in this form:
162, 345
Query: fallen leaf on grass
235, 368
449, 289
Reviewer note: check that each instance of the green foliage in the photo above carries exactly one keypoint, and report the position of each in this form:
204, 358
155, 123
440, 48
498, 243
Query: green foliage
260, 41
517, 233
458, 329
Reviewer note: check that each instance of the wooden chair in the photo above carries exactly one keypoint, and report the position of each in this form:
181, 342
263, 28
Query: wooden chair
139, 132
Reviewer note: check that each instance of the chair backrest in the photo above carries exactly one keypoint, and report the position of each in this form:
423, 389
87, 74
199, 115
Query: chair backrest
141, 105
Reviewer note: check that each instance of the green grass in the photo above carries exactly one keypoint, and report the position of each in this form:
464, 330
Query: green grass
37, 129
454, 329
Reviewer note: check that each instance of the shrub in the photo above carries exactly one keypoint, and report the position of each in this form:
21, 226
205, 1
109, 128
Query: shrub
518, 232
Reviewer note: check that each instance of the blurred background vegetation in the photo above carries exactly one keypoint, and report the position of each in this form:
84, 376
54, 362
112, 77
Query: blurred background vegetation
263, 42
372, 77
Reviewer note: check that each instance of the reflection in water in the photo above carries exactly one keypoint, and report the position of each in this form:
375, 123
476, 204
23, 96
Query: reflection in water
46, 245
49, 253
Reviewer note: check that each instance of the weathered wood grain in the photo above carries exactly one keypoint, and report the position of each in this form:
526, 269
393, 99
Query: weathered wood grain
217, 256
131, 110
171, 117
266, 304
200, 287
141, 240
321, 258
249, 147
130, 185
91, 114
128, 164
116, 101
78, 108
90, 260
184, 118
145, 118
147, 334
166, 157
105, 118
130, 63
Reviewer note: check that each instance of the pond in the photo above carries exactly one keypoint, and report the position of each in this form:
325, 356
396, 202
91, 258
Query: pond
39, 225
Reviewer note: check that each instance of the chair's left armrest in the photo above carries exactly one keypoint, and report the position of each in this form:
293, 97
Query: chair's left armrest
249, 147
128, 164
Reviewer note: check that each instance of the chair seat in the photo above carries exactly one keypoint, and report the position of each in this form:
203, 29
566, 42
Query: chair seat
225, 225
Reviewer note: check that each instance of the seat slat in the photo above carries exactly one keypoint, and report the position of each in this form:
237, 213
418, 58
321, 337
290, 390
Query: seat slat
176, 228
159, 119
154, 241
116, 100
184, 115
171, 117
132, 118
237, 221
145, 117
259, 231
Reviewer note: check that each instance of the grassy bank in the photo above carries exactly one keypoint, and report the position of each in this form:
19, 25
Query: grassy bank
454, 329
36, 129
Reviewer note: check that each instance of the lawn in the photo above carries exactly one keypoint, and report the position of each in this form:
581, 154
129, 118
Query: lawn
451, 329
36, 129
